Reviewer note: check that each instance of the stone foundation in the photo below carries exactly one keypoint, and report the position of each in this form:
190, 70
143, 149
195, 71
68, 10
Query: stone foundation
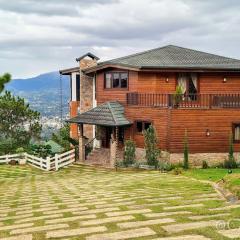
195, 159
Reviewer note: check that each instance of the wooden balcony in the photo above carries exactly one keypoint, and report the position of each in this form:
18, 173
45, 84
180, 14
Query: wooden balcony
194, 101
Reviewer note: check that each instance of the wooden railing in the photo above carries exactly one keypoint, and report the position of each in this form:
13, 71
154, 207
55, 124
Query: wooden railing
203, 101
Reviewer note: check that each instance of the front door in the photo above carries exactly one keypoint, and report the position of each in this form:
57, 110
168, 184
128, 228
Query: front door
107, 137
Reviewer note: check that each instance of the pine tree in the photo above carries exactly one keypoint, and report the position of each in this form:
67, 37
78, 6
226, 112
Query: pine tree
5, 78
186, 151
129, 153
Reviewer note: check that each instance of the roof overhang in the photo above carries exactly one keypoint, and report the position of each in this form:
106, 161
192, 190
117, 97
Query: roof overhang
69, 71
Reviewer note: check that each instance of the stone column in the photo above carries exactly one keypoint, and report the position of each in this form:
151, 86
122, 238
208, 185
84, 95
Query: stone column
114, 147
81, 144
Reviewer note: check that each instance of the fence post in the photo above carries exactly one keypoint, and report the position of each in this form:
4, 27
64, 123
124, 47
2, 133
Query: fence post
7, 158
48, 164
56, 162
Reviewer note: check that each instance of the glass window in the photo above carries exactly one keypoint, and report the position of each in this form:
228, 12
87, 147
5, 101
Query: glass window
142, 125
236, 132
124, 79
116, 80
108, 80
147, 125
139, 127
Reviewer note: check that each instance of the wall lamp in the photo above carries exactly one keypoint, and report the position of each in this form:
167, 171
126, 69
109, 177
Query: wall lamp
167, 79
207, 132
224, 79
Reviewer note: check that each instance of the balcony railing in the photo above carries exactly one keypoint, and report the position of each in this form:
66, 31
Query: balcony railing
201, 101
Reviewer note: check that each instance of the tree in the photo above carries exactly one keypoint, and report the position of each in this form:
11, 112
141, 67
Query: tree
129, 153
18, 123
186, 151
151, 148
231, 162
5, 78
62, 137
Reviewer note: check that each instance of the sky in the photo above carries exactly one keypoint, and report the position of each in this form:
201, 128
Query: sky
38, 36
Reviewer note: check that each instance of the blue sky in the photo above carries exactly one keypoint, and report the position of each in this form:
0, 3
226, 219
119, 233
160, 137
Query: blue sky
47, 35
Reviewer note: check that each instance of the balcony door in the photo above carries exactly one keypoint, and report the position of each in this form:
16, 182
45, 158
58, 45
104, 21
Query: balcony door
189, 84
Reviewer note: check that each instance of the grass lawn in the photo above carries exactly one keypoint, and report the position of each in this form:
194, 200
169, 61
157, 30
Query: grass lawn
211, 174
79, 203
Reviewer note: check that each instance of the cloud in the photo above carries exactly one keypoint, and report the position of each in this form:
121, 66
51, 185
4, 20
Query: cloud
39, 36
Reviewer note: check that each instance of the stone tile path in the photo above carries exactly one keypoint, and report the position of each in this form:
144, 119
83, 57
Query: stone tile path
95, 204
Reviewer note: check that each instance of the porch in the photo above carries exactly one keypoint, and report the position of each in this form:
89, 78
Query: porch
107, 144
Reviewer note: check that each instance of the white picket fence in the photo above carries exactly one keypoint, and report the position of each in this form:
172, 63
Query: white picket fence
48, 164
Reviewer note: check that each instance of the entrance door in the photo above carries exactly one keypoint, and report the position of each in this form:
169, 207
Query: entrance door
107, 137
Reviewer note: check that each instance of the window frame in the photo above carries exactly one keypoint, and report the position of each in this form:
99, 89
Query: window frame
143, 125
111, 79
234, 125
187, 86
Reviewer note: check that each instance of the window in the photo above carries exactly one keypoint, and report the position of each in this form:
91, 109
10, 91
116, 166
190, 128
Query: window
189, 85
142, 125
78, 87
236, 132
116, 80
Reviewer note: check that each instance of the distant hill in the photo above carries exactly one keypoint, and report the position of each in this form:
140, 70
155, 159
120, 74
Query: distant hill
44, 81
43, 94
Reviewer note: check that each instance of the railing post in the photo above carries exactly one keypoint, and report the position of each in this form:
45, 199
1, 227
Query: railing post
56, 162
48, 164
7, 158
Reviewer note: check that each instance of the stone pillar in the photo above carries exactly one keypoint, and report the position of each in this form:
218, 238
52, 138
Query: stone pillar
81, 144
114, 147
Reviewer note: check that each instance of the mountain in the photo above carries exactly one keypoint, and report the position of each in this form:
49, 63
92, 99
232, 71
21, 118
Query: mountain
43, 93
44, 81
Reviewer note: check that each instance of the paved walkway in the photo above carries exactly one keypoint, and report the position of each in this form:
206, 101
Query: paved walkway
94, 204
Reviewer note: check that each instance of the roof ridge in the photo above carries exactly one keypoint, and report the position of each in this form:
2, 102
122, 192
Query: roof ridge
110, 108
170, 45
199, 51
134, 54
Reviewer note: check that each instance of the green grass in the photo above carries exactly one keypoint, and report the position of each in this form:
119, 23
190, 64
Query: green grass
211, 174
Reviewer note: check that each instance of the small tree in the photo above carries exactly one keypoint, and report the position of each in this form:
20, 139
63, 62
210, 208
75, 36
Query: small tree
186, 151
231, 162
129, 153
151, 148
178, 96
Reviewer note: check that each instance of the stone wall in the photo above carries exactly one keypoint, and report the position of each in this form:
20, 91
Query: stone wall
195, 159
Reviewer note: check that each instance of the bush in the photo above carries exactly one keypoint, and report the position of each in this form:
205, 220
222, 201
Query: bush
186, 152
152, 151
129, 153
205, 165
166, 166
177, 171
231, 162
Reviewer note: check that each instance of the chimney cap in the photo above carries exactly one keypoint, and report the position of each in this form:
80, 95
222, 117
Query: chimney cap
88, 55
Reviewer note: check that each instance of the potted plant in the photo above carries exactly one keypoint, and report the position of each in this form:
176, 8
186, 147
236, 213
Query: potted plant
98, 141
178, 96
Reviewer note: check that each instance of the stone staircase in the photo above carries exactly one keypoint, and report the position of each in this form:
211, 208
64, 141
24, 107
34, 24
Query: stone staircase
99, 157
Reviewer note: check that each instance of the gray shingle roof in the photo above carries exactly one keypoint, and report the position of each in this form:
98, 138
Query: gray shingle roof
107, 114
176, 57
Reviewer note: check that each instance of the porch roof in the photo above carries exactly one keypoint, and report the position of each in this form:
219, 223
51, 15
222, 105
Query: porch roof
106, 114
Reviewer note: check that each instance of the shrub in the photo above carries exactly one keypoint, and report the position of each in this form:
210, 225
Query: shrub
186, 152
231, 162
152, 151
178, 95
205, 165
177, 171
129, 153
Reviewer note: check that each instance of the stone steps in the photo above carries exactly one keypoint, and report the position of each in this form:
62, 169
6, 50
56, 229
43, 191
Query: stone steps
99, 156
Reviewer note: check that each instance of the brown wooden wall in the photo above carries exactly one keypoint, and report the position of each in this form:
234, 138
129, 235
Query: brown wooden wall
196, 122
158, 117
73, 113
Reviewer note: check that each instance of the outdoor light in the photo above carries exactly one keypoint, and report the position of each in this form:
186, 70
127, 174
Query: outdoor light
207, 132
167, 79
224, 79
